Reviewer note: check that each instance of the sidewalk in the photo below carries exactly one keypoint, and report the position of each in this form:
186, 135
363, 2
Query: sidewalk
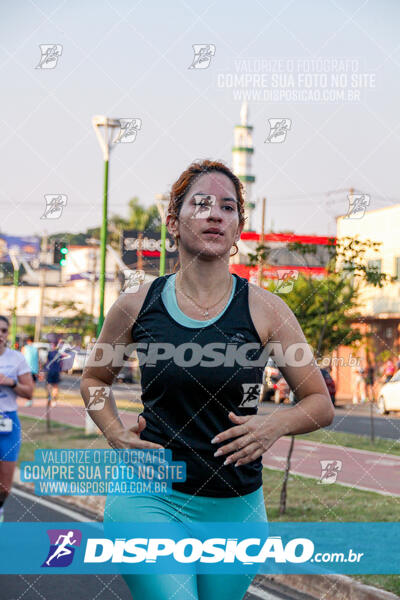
360, 469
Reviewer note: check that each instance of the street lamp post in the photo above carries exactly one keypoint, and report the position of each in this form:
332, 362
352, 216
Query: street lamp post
260, 273
105, 129
15, 263
162, 205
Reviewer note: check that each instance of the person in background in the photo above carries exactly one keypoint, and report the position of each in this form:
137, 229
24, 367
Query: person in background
31, 355
370, 381
53, 368
359, 385
388, 370
15, 380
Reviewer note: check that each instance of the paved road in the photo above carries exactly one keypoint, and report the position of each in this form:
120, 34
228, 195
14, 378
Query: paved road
23, 506
356, 419
349, 418
356, 468
359, 422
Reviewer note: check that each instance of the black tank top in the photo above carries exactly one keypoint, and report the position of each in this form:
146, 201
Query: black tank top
191, 379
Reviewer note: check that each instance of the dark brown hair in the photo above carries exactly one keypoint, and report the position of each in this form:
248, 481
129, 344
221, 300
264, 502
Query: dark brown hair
5, 319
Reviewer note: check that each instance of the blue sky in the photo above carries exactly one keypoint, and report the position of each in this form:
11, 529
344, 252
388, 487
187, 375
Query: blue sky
131, 59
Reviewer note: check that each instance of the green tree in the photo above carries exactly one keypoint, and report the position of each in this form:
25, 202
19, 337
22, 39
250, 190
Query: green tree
139, 217
326, 307
79, 322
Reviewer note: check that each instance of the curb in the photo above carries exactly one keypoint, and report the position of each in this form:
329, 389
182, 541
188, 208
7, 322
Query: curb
326, 587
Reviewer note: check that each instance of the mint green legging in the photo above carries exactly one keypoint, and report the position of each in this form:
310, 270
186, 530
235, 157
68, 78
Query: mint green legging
185, 507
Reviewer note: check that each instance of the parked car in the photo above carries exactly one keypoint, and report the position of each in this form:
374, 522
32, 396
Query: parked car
73, 359
126, 374
281, 390
330, 384
277, 388
271, 377
389, 395
274, 385
79, 361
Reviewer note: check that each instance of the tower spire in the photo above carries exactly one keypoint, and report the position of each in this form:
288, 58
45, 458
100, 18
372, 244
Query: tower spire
244, 113
242, 152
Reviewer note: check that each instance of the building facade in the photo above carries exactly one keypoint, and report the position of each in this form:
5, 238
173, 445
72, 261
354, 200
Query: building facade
379, 307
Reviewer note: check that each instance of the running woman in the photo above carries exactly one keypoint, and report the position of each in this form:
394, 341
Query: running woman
202, 403
53, 368
15, 380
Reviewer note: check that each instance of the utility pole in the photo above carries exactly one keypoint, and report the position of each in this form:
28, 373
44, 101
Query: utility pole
261, 262
162, 205
93, 269
42, 287
15, 263
139, 252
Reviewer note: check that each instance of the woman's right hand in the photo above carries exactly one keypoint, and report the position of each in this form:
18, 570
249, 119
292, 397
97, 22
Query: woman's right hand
130, 438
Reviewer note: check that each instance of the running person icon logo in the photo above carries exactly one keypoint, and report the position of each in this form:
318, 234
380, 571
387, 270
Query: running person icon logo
329, 470
98, 396
203, 54
62, 547
50, 53
251, 395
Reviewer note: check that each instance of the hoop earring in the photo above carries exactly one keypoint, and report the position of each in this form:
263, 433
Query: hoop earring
236, 250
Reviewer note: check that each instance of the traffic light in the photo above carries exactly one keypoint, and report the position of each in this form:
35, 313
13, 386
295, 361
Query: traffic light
60, 253
64, 252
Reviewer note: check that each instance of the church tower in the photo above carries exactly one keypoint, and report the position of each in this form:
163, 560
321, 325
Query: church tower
242, 153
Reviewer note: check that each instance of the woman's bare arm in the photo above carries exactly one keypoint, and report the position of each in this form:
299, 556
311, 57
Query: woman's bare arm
103, 365
314, 409
24, 387
254, 434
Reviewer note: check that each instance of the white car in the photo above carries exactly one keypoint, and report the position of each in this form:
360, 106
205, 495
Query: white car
389, 395
75, 362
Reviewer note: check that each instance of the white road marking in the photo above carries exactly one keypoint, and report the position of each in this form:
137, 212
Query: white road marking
53, 506
262, 594
384, 462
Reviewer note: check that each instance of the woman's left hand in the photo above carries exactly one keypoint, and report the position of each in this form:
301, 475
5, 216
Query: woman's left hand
254, 435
